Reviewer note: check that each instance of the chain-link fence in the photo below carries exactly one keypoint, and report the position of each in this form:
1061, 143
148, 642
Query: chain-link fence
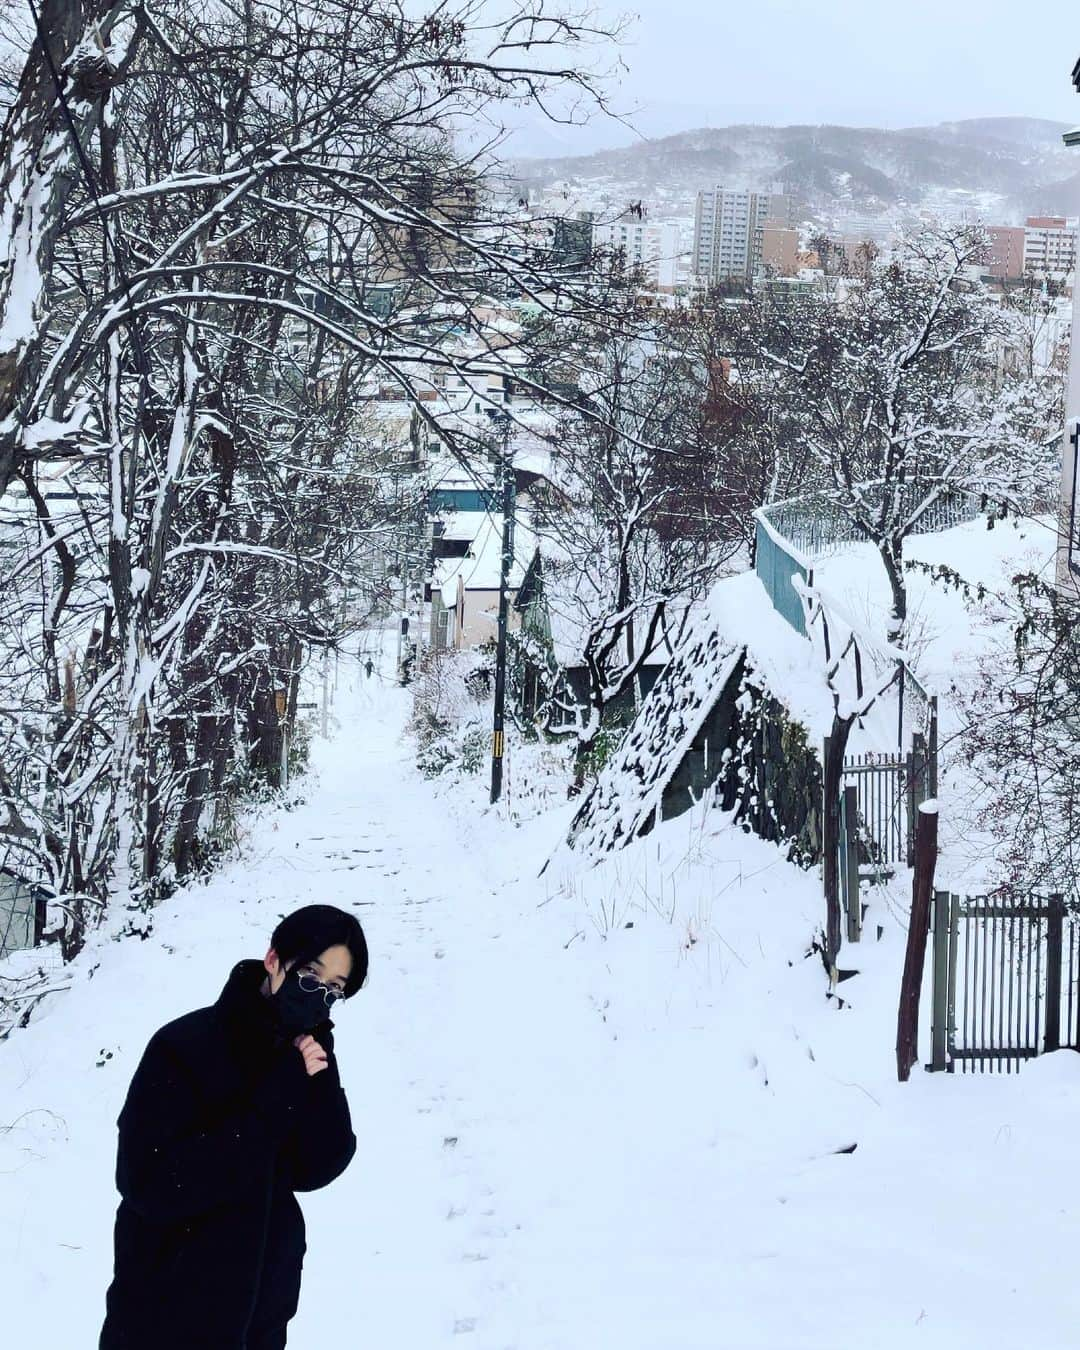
817, 524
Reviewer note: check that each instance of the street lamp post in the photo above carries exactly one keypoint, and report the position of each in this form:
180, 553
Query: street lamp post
507, 483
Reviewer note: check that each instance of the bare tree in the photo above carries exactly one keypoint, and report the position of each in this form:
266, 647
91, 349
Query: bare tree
890, 386
632, 528
79, 49
264, 227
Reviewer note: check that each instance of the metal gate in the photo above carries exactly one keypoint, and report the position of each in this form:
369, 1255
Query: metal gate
882, 788
1004, 981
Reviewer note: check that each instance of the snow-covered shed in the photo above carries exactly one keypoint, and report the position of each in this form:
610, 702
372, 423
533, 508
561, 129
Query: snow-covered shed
739, 712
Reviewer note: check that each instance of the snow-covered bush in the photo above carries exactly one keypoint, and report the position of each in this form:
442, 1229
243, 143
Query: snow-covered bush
1020, 744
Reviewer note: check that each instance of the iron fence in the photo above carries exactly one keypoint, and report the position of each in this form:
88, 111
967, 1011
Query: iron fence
883, 800
792, 535
1005, 974
818, 523
814, 525
879, 804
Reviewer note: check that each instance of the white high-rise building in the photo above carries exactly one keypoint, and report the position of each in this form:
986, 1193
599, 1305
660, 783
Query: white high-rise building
653, 247
1050, 247
729, 226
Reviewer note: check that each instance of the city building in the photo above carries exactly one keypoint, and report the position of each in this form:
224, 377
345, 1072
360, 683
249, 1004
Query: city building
729, 231
783, 212
780, 250
400, 253
853, 231
1049, 247
656, 249
1006, 261
1068, 554
573, 242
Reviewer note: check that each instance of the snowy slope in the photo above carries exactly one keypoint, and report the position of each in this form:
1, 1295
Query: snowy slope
950, 636
595, 1109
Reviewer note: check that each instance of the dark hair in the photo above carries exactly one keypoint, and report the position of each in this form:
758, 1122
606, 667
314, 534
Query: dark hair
306, 934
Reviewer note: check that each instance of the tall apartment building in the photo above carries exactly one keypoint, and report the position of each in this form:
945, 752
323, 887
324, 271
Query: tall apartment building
780, 250
729, 227
654, 248
1006, 262
1049, 247
573, 242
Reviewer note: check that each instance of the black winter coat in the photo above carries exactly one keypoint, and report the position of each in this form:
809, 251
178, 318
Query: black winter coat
222, 1123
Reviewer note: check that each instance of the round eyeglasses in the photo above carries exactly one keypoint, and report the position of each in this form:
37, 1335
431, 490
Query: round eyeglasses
309, 982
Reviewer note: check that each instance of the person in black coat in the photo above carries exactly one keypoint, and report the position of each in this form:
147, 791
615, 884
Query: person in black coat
231, 1110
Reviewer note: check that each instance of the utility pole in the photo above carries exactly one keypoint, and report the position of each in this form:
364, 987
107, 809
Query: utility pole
508, 494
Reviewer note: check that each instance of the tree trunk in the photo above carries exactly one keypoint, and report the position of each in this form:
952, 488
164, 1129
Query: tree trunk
39, 168
892, 555
907, 1021
211, 746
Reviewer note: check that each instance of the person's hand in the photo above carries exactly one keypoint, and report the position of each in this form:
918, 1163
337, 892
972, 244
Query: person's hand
314, 1054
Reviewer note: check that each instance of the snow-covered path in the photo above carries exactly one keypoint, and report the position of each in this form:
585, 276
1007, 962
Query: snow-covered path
602, 1110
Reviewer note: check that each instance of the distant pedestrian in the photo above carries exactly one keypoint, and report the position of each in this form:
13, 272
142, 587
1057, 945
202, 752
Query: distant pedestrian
369, 666
231, 1110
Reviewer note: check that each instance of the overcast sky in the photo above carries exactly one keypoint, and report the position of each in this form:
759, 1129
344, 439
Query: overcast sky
695, 63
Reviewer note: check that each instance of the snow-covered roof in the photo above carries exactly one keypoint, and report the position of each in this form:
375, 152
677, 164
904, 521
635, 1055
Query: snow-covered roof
480, 569
735, 621
462, 524
631, 785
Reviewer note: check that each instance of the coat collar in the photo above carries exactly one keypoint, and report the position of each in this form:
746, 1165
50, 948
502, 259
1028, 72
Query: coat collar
249, 1014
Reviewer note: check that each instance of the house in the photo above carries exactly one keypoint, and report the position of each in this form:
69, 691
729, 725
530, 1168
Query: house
465, 578
466, 525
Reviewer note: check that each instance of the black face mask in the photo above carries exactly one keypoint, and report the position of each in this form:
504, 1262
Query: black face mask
298, 1011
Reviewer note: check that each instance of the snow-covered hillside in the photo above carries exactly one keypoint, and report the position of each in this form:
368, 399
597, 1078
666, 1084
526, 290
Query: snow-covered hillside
601, 1108
1004, 167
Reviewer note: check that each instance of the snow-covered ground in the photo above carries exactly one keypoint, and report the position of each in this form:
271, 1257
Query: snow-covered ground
951, 636
596, 1109
944, 631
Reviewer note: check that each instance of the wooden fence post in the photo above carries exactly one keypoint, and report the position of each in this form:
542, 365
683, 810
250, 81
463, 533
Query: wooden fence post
907, 1020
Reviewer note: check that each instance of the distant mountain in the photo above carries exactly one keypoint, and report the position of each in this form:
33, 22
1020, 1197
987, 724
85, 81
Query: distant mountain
1005, 166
